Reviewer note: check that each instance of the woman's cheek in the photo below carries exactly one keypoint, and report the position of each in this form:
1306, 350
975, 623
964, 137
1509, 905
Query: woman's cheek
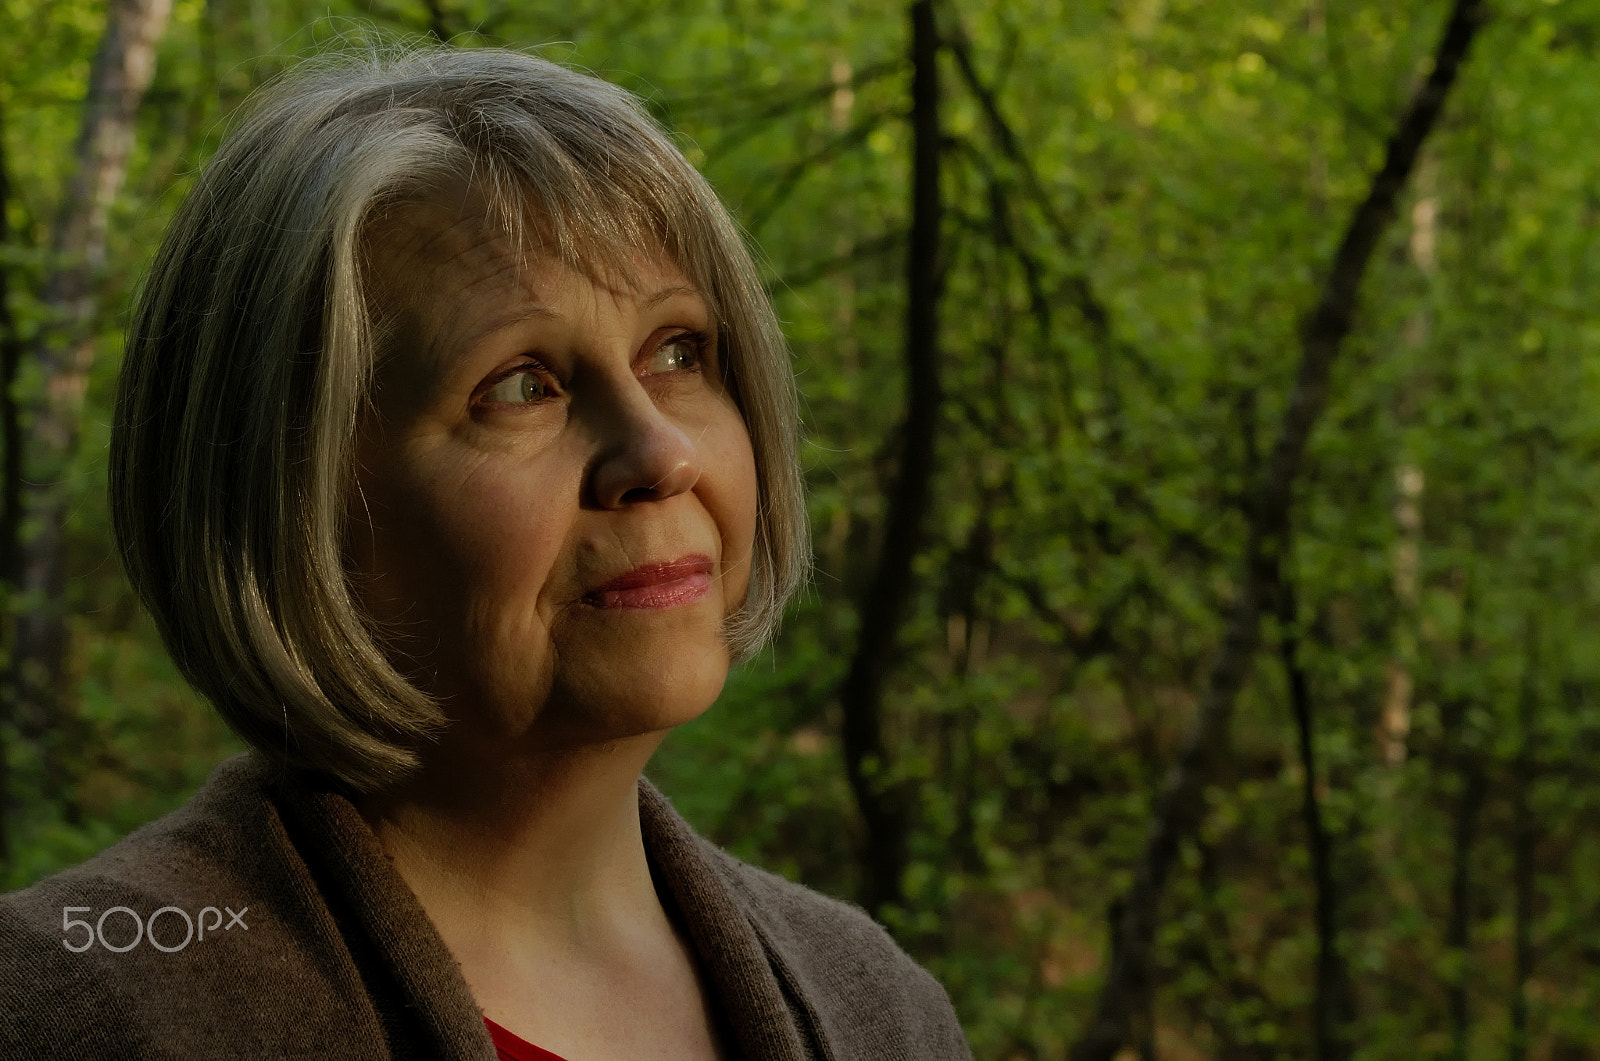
739, 496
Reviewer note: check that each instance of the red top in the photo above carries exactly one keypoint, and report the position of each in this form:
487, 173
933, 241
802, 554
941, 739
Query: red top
511, 1048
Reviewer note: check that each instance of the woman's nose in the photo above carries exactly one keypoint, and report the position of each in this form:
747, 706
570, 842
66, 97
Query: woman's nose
644, 455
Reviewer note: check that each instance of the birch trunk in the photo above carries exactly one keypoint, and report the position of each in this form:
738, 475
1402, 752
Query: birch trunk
62, 357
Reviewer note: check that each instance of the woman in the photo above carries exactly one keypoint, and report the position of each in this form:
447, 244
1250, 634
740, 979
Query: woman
455, 458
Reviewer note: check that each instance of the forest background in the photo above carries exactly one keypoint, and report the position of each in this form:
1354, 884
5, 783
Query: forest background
1202, 444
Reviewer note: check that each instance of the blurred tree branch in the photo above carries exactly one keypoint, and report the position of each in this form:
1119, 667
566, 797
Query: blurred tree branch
761, 119
1077, 285
757, 216
811, 272
1180, 806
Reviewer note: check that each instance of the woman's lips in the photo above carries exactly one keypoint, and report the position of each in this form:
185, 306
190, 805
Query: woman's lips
656, 585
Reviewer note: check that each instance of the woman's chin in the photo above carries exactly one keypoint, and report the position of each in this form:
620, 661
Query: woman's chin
655, 686
663, 693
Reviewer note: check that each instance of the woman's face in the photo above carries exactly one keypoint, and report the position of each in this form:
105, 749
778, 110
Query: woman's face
556, 495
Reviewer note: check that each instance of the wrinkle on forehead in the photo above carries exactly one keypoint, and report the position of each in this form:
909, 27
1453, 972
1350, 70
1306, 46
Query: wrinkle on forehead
419, 256
445, 263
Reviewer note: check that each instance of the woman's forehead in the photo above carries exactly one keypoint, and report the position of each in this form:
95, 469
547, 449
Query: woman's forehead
417, 247
423, 251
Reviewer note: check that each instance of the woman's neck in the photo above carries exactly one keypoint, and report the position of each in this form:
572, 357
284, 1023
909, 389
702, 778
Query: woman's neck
532, 854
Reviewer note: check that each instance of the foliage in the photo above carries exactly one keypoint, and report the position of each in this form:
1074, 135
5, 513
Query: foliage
1122, 299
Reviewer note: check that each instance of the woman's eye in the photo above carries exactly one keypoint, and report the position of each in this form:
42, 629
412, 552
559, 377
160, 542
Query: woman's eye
676, 355
519, 387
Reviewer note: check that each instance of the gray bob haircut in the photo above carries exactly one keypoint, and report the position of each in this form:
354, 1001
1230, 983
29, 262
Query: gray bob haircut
251, 354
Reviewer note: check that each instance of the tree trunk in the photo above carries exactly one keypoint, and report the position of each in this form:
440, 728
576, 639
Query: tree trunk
1523, 838
1180, 806
438, 24
10, 468
884, 803
1409, 483
64, 352
1331, 1008
1465, 762
1458, 927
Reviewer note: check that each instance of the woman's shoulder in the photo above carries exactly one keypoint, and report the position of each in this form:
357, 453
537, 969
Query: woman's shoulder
880, 999
167, 858
148, 949
214, 847
858, 986
102, 944
52, 1002
812, 922
826, 932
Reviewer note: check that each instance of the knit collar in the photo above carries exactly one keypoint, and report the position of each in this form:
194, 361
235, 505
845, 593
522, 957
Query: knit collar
760, 1000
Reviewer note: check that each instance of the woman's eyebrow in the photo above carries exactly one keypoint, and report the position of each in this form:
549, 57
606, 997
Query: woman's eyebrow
668, 292
531, 311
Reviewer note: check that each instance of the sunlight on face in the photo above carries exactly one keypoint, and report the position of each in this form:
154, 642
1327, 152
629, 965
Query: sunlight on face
556, 495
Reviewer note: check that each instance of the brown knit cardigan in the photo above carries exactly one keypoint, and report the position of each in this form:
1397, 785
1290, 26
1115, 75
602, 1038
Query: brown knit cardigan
340, 961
